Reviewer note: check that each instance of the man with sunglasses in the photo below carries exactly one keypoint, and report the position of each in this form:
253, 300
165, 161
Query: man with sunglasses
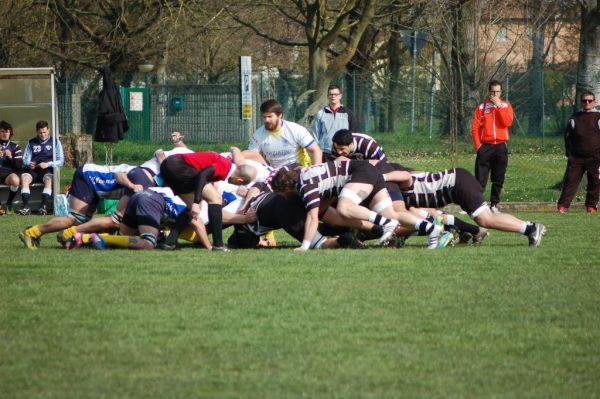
489, 131
582, 148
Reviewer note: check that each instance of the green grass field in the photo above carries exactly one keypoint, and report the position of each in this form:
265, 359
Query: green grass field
498, 321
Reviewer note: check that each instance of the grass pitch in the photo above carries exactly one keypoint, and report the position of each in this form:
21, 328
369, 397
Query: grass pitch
501, 320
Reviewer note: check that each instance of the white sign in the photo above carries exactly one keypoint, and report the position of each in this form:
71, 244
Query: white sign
136, 101
246, 86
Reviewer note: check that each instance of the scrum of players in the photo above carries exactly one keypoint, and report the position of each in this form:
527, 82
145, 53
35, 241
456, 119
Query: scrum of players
353, 199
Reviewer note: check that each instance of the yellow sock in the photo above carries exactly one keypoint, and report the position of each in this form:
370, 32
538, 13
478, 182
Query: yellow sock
188, 234
34, 231
115, 241
70, 232
85, 238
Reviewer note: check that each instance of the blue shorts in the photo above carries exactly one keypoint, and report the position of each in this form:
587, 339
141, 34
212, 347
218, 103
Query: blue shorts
82, 190
145, 208
138, 176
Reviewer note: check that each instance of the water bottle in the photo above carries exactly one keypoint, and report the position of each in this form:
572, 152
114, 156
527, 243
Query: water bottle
61, 205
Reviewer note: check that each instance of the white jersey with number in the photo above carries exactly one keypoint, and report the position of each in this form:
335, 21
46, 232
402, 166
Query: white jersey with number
283, 148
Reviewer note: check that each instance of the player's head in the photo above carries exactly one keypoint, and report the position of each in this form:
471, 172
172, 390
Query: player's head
334, 96
177, 138
284, 182
41, 128
242, 175
272, 113
6, 130
343, 142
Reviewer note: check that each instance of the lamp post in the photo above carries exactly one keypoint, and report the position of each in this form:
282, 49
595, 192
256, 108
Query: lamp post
146, 68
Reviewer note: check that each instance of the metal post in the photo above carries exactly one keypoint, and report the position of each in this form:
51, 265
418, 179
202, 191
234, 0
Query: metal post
414, 82
432, 94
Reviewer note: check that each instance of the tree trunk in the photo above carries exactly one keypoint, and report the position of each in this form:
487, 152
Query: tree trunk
465, 65
536, 66
588, 72
395, 62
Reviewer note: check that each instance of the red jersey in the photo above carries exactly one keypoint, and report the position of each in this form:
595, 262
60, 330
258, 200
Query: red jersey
204, 159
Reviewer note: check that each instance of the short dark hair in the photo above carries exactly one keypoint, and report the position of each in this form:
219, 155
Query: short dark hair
588, 93
333, 87
40, 125
284, 180
6, 126
342, 137
271, 105
494, 82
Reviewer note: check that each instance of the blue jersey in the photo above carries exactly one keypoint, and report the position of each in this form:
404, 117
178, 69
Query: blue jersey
103, 178
174, 206
41, 151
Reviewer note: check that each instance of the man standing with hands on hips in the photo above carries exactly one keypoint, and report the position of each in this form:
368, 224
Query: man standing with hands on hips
489, 131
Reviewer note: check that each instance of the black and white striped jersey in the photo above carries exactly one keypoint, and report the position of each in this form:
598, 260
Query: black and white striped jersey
365, 148
325, 180
431, 189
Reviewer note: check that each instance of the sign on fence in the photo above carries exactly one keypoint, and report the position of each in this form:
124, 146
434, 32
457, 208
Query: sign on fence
246, 86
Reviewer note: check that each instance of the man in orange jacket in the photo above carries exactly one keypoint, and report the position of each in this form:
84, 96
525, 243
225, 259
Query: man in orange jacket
489, 130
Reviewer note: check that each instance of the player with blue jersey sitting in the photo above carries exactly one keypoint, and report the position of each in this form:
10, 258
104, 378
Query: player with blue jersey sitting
90, 183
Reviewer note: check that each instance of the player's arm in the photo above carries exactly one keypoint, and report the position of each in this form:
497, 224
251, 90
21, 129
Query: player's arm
403, 178
315, 153
310, 228
160, 155
123, 180
236, 156
201, 179
200, 230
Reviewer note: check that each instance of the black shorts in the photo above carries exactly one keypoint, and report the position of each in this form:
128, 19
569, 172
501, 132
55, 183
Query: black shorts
5, 172
139, 176
364, 172
467, 191
82, 190
178, 175
145, 208
392, 187
38, 174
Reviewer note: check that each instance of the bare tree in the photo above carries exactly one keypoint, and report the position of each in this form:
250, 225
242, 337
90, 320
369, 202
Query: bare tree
323, 24
588, 71
88, 33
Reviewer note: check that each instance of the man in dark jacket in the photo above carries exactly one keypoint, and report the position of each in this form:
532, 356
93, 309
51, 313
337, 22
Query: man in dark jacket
582, 148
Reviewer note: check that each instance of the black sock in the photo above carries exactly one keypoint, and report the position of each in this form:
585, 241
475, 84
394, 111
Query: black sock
25, 198
529, 229
463, 226
215, 216
45, 198
180, 223
423, 230
11, 197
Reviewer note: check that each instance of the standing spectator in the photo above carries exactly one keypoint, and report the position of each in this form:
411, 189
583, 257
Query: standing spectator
282, 142
582, 147
39, 166
332, 118
489, 130
11, 162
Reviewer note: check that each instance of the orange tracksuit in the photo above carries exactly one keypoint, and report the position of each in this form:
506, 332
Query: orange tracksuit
491, 123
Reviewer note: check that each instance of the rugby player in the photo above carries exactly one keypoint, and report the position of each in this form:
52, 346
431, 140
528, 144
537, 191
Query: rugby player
352, 183
90, 183
458, 186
